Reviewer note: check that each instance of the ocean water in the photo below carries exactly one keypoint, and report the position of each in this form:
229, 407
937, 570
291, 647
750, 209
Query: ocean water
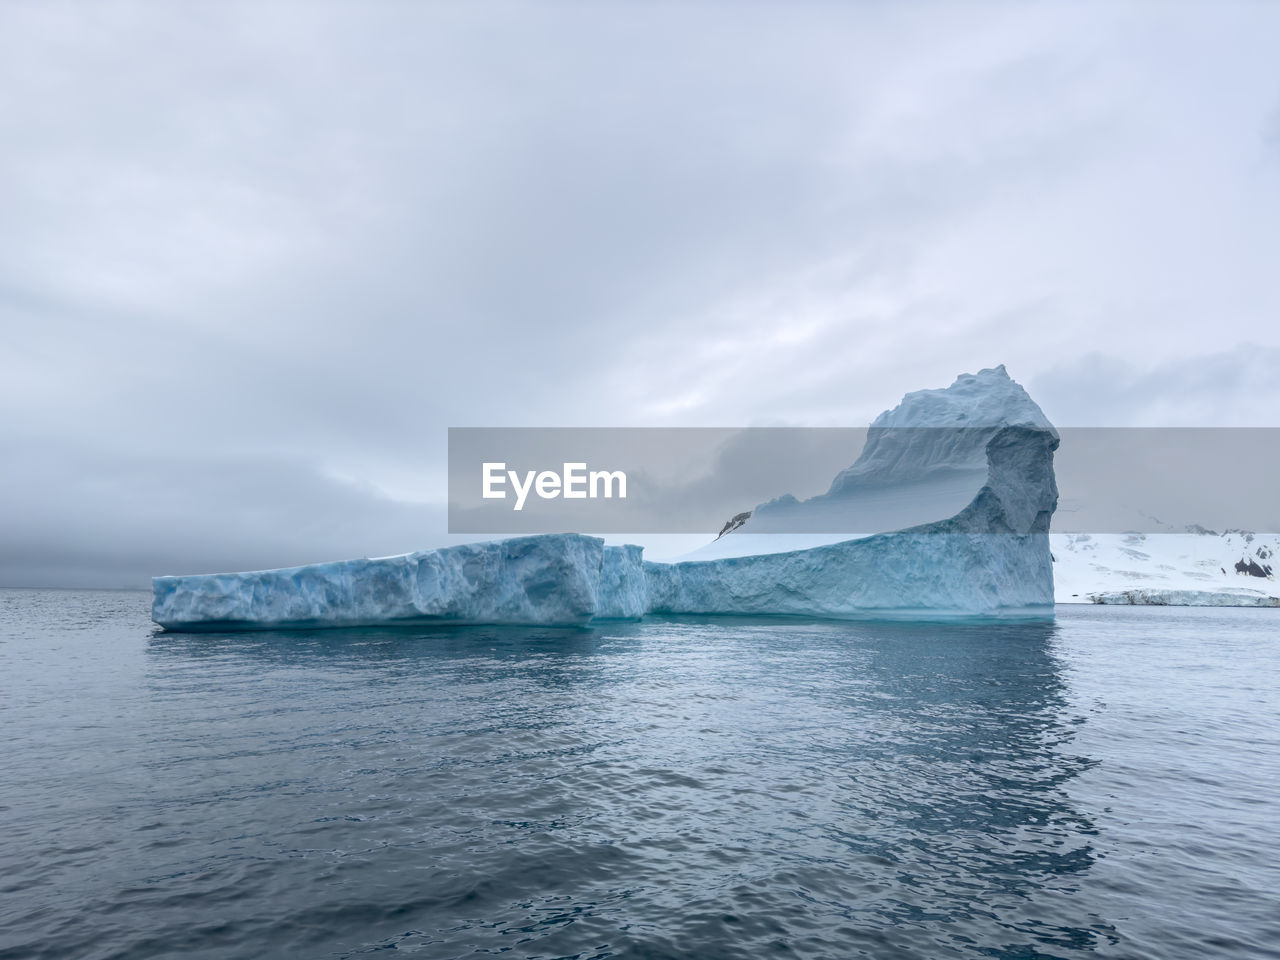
1103, 785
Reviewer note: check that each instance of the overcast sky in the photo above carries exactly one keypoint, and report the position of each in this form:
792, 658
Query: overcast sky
254, 260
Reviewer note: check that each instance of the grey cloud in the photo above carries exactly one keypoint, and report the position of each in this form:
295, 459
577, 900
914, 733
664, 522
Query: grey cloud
125, 519
1230, 388
320, 234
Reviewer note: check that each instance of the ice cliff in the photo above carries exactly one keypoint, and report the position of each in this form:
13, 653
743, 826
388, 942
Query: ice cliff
554, 579
955, 485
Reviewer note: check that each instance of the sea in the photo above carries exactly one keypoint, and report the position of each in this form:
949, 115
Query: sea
1104, 785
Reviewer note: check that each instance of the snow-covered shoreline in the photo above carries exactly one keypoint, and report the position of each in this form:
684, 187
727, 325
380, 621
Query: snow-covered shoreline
1181, 598
1202, 568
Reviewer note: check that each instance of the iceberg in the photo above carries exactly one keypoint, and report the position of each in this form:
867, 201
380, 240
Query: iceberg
954, 492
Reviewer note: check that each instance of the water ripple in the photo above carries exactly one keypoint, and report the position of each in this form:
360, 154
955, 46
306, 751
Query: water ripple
675, 789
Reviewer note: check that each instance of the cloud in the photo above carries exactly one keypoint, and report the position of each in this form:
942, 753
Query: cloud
122, 519
243, 235
1229, 388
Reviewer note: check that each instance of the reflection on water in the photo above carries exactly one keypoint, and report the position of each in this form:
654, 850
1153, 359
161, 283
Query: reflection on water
680, 788
364, 646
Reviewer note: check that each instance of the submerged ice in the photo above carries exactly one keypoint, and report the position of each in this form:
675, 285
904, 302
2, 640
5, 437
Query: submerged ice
955, 485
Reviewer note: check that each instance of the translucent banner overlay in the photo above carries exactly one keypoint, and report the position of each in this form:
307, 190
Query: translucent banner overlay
700, 480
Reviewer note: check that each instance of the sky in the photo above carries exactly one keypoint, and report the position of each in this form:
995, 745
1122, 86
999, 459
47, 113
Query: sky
255, 259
